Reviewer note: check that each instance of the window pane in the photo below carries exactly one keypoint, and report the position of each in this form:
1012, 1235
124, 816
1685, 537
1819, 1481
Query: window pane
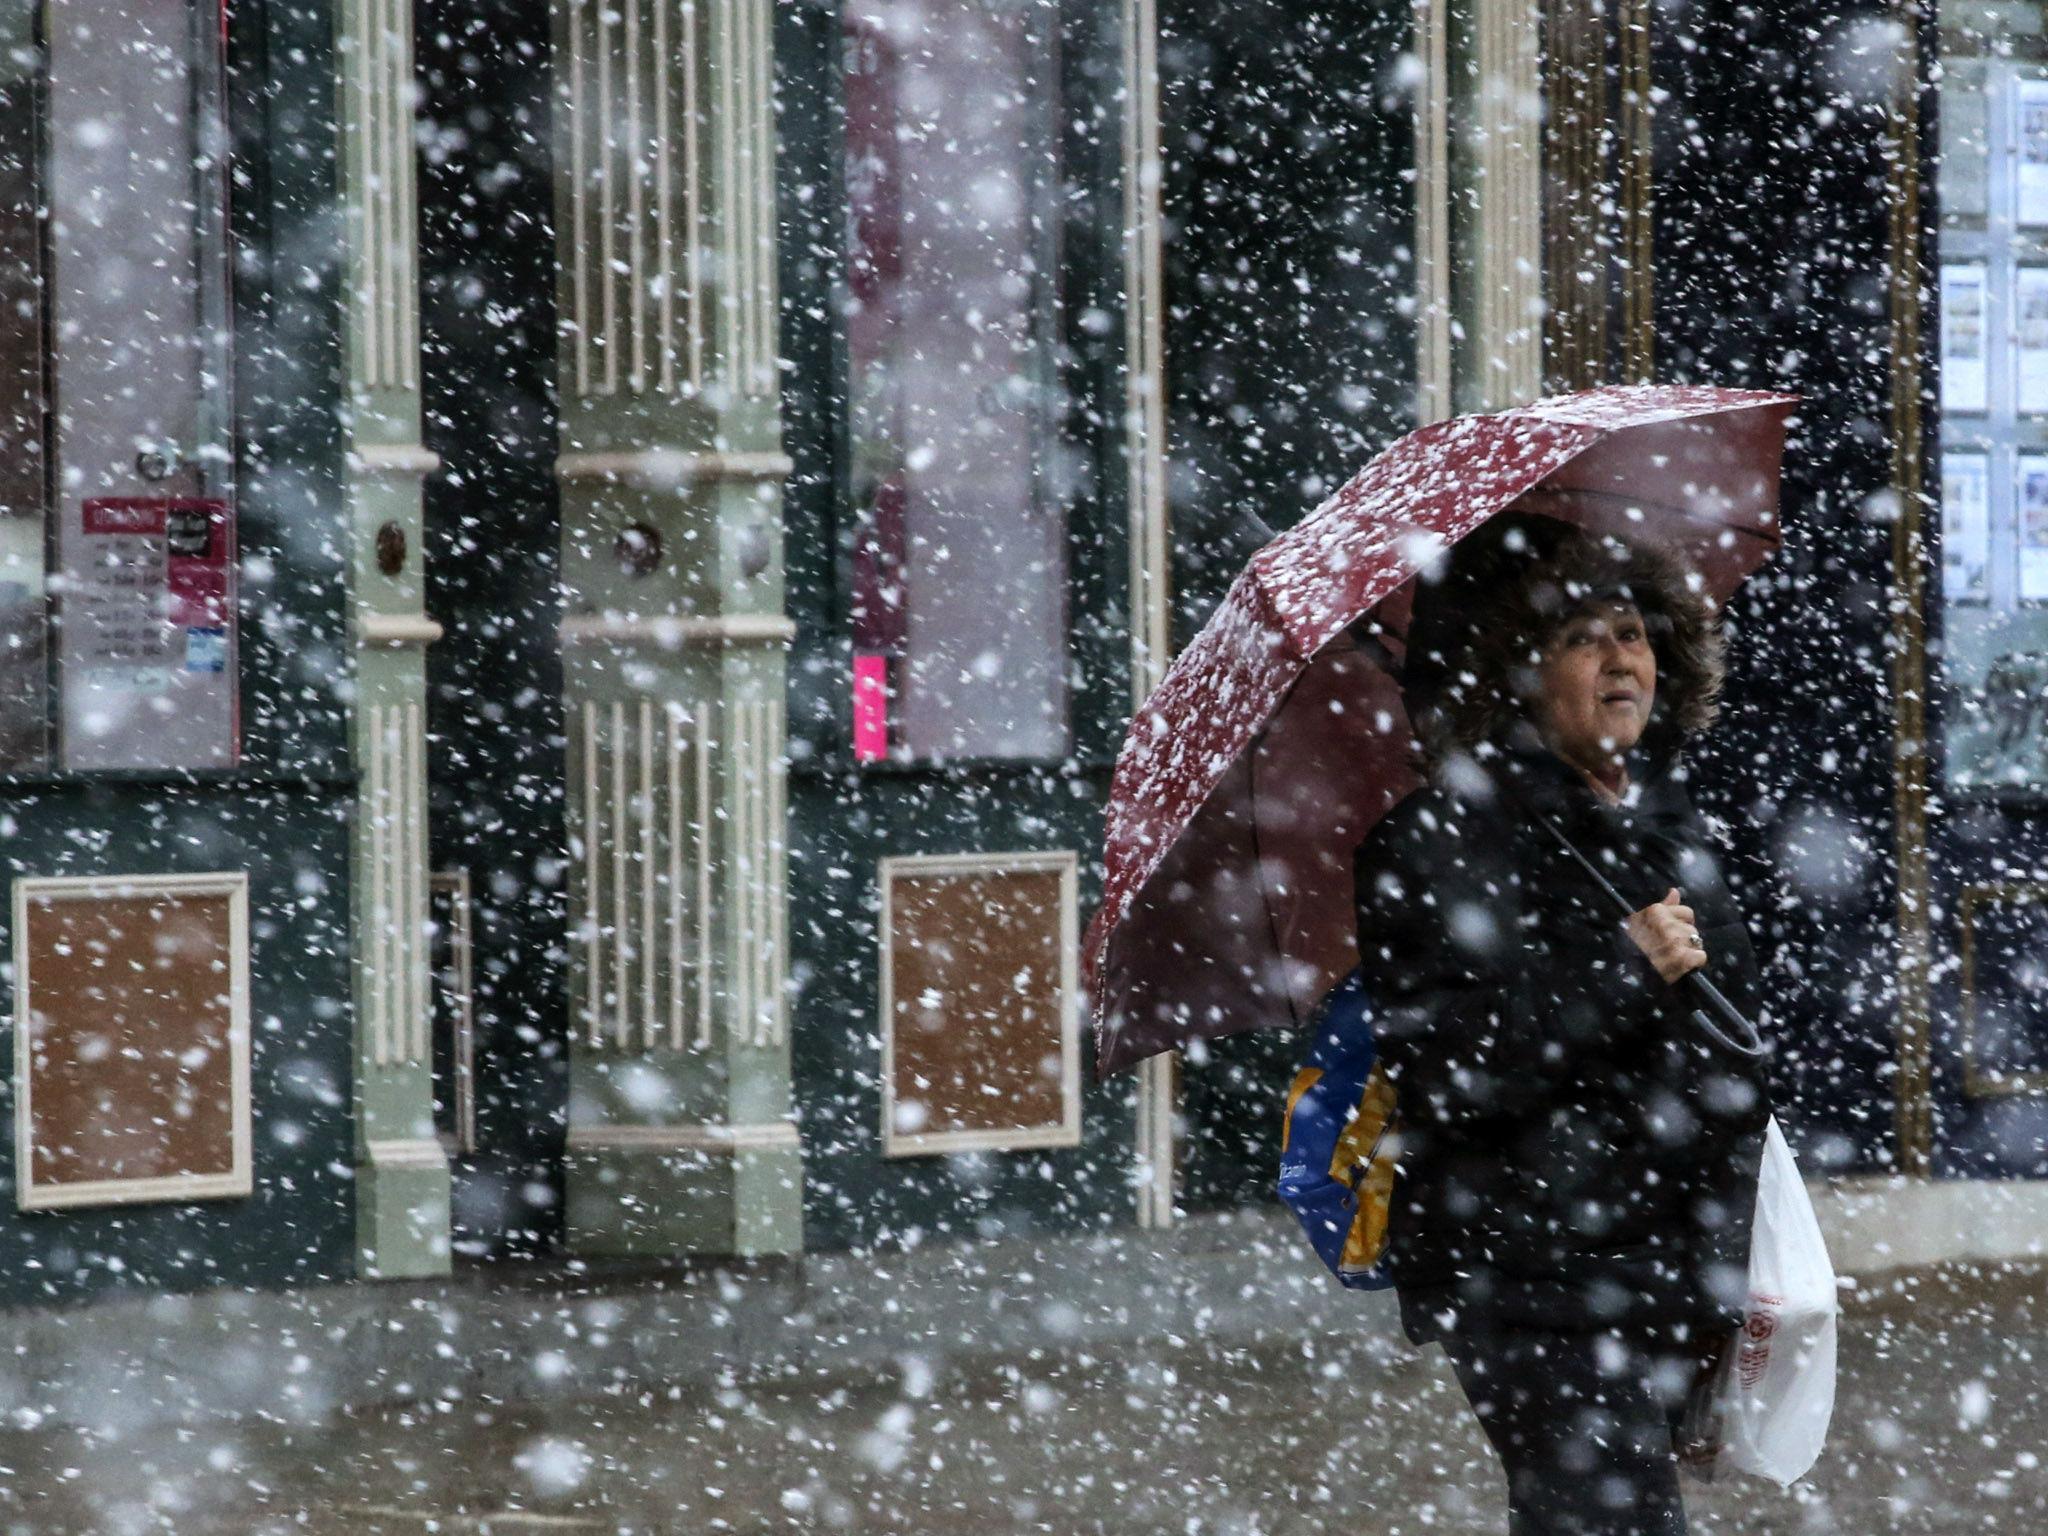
1994, 394
959, 570
114, 406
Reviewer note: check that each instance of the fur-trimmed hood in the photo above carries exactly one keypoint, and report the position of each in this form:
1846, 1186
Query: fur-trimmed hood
1478, 633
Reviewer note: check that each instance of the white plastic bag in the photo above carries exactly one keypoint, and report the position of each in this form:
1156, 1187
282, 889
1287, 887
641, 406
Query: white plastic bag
1774, 1391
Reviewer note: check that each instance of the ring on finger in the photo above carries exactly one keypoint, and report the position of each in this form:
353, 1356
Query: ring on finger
1696, 944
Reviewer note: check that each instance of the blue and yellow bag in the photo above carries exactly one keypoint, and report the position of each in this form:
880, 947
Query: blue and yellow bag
1340, 1145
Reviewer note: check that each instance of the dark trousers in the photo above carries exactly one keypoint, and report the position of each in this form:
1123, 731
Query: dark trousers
1582, 1422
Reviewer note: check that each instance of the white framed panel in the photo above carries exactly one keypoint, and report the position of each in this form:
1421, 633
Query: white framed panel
2032, 531
1993, 592
2030, 340
185, 965
2030, 152
909, 1127
1965, 337
1966, 527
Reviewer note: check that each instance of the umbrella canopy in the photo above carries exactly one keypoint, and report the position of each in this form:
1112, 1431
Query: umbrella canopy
1277, 740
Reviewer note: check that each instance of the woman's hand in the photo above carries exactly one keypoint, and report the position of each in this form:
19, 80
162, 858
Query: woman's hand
1664, 932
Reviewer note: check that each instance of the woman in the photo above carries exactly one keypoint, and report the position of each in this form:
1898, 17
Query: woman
1578, 1160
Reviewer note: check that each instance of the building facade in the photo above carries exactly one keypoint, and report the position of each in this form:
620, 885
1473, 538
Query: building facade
575, 574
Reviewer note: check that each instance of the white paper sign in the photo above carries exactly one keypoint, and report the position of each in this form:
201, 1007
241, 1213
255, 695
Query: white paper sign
146, 659
2030, 340
1966, 527
2030, 152
1965, 364
2033, 500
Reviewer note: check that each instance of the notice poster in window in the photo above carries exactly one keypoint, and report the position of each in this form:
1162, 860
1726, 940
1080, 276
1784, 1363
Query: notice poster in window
2030, 152
1965, 363
2033, 530
148, 634
1966, 528
2030, 342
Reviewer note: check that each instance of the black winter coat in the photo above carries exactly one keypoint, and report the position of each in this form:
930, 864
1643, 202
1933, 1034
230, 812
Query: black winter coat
1574, 1152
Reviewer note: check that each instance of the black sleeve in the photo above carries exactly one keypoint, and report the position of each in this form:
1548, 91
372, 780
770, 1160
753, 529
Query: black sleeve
1483, 1005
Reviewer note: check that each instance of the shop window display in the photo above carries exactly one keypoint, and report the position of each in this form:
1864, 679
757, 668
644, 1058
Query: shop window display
1994, 396
957, 571
117, 539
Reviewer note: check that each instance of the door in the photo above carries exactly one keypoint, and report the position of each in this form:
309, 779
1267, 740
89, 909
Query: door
957, 570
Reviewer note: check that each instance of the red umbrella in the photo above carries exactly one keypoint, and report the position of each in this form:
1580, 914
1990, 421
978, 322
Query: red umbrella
1275, 741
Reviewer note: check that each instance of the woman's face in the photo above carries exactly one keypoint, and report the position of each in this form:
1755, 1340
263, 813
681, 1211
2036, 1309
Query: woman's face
1597, 682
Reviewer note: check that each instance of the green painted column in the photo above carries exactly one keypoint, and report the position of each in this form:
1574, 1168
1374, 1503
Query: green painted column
402, 1213
675, 639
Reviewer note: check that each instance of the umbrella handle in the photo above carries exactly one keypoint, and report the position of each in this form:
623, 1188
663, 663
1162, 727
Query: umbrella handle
1744, 1040
1720, 1020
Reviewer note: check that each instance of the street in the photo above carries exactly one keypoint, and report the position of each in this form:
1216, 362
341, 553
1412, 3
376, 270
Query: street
1936, 1432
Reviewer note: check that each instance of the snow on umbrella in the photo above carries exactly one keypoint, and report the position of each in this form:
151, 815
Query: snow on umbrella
1279, 736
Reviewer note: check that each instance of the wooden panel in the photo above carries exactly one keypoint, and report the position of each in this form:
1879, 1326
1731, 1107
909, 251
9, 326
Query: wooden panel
978, 1003
131, 1040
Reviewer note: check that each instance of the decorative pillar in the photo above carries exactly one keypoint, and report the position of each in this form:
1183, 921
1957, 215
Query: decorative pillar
1579, 194
1600, 320
1638, 194
401, 1171
674, 638
1910, 237
1434, 303
1151, 639
1479, 217
1498, 160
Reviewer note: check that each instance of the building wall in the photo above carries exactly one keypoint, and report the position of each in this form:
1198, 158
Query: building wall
282, 816
1290, 348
